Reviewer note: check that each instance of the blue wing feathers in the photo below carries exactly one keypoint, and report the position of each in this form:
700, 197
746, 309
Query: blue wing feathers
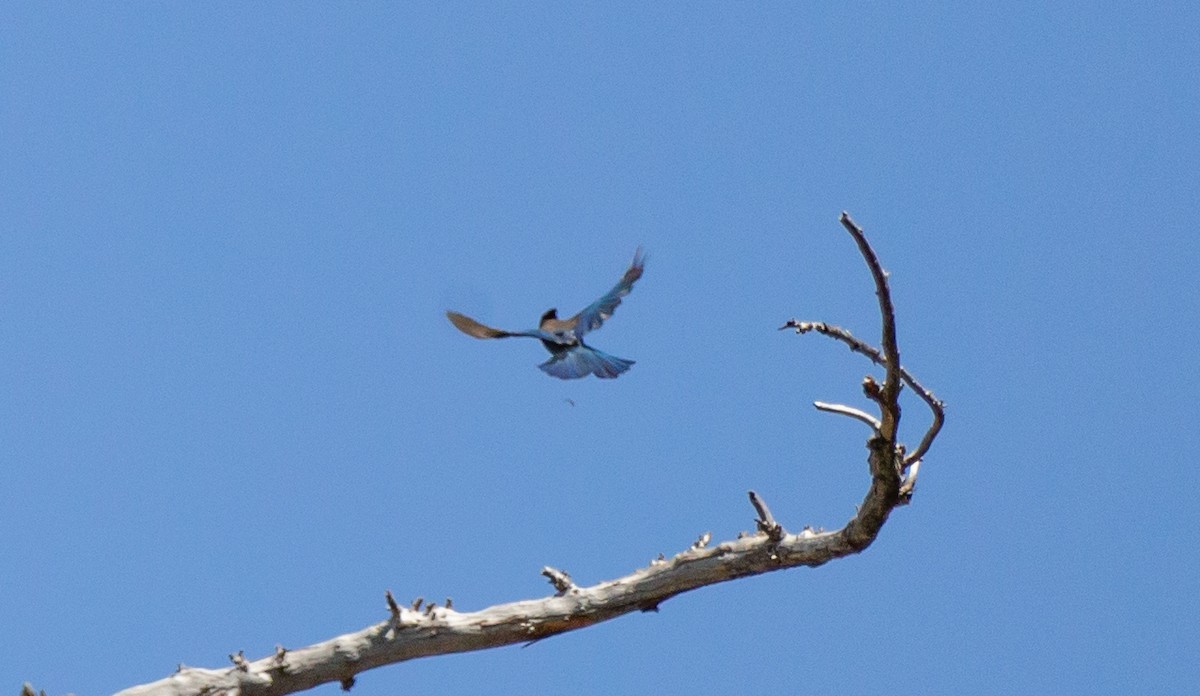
570, 357
597, 312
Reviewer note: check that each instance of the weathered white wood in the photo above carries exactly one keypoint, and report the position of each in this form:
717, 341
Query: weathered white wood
443, 631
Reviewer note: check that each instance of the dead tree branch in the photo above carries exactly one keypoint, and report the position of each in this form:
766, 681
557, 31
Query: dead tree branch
411, 631
936, 407
850, 411
890, 356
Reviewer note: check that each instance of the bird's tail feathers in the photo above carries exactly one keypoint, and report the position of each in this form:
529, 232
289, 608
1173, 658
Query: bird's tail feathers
581, 361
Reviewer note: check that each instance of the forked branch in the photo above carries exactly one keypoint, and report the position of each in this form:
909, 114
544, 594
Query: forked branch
415, 630
889, 358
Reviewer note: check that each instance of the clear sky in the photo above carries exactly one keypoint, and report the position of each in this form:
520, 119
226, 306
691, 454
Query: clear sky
232, 412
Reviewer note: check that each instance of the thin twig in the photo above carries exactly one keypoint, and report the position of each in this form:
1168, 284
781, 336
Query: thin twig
559, 578
766, 521
239, 660
849, 411
859, 346
939, 416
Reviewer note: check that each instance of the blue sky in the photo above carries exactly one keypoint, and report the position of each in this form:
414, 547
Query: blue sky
233, 412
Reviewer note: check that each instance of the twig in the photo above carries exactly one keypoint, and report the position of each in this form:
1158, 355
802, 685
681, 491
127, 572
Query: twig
859, 346
849, 411
560, 579
766, 521
939, 416
239, 660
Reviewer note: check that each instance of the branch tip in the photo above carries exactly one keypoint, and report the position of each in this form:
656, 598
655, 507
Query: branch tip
702, 541
887, 315
392, 606
239, 660
849, 411
936, 406
561, 581
766, 521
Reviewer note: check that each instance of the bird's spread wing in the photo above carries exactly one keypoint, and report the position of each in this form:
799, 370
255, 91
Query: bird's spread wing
594, 315
473, 328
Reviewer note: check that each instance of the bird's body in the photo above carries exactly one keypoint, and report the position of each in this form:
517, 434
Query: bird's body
570, 357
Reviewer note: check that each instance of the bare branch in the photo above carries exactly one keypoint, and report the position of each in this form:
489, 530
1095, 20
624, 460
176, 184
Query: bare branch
888, 457
559, 578
643, 590
890, 357
239, 660
836, 332
863, 416
891, 351
766, 521
939, 417
859, 346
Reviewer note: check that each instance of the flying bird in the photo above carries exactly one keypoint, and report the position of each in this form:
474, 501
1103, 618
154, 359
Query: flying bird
570, 357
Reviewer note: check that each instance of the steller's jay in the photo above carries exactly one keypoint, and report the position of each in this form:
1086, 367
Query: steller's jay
570, 357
